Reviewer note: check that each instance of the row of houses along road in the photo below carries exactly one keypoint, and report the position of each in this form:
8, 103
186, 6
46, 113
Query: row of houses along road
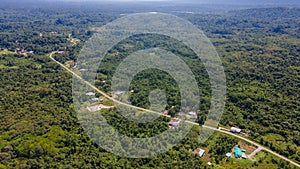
222, 130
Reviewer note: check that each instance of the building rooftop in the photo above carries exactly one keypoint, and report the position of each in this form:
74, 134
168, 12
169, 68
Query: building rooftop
235, 130
237, 152
192, 113
119, 92
174, 123
90, 94
244, 155
94, 108
94, 99
228, 155
201, 152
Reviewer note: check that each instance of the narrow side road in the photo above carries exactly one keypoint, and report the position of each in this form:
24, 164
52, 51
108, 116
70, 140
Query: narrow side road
150, 111
255, 152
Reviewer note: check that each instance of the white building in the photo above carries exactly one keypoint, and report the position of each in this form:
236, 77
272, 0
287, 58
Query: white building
90, 94
192, 113
201, 152
235, 130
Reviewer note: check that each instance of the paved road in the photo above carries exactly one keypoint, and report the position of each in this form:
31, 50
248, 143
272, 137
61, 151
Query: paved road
101, 92
222, 130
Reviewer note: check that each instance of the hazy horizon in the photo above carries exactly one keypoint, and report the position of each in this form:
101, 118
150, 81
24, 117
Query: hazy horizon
230, 2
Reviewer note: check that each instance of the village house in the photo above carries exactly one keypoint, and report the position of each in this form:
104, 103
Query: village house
200, 152
192, 115
174, 123
235, 130
94, 108
90, 94
119, 93
94, 100
244, 156
75, 41
237, 152
71, 63
228, 155
98, 107
165, 112
24, 52
60, 52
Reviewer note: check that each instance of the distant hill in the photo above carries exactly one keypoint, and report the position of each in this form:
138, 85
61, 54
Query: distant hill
233, 2
252, 2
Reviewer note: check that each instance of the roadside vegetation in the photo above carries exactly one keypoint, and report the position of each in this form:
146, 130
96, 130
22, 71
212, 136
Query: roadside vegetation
38, 125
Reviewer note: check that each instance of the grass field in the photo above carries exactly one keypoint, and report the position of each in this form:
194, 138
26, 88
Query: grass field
6, 52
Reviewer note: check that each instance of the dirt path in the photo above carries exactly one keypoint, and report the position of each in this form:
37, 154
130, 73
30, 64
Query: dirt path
255, 152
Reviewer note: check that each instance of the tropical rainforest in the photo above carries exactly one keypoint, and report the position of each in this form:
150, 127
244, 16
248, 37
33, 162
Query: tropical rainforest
259, 49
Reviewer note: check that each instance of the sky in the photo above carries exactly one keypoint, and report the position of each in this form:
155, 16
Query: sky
196, 1
227, 2
207, 1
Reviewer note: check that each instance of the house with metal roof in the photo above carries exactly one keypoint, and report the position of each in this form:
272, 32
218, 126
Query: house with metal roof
244, 156
94, 100
94, 108
237, 152
228, 155
90, 94
200, 152
235, 130
174, 123
192, 113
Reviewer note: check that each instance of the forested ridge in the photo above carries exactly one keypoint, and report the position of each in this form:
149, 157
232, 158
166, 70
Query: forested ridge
259, 49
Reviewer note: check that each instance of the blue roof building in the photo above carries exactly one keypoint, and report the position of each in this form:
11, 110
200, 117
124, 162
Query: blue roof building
237, 152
